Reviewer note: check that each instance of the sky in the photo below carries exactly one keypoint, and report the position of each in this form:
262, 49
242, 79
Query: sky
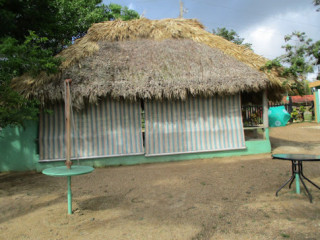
261, 23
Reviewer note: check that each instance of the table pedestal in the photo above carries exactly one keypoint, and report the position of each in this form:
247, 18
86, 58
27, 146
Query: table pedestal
297, 173
69, 196
65, 172
297, 183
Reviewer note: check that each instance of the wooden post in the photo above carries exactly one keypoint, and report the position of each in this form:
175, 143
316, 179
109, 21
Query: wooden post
67, 118
315, 107
181, 9
265, 114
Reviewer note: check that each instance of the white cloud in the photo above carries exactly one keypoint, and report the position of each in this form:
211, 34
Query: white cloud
264, 40
267, 37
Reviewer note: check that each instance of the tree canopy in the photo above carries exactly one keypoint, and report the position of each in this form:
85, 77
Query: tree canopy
115, 11
317, 3
231, 36
302, 56
32, 33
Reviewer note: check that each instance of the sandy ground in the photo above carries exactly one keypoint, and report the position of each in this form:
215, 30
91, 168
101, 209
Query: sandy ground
221, 198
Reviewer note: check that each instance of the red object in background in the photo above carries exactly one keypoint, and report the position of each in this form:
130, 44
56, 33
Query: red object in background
299, 99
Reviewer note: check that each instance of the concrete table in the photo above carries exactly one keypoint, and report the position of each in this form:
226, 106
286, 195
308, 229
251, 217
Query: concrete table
65, 172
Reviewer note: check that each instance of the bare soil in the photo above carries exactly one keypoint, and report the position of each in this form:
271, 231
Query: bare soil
220, 198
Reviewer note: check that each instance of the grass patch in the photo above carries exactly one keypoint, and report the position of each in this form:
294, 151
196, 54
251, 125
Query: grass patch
284, 235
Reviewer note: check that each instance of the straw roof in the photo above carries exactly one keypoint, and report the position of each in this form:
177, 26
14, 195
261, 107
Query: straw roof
151, 59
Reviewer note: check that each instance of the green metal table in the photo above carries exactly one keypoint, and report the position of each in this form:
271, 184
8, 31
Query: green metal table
65, 172
297, 170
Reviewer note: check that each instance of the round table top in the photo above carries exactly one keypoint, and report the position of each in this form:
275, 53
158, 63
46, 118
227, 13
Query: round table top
63, 171
297, 157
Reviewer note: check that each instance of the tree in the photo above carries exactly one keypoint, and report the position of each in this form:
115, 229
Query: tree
317, 3
115, 11
58, 20
302, 57
231, 36
19, 58
18, 17
32, 33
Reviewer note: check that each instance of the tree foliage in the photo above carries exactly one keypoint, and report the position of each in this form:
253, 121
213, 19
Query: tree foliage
32, 32
115, 11
17, 59
231, 36
317, 3
302, 57
58, 20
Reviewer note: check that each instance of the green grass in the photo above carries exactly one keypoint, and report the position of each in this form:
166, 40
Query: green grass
284, 235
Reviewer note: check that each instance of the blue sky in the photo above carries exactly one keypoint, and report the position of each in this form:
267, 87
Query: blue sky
262, 23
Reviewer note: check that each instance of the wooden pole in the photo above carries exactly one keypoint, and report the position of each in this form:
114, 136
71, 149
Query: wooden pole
265, 114
67, 116
315, 105
181, 9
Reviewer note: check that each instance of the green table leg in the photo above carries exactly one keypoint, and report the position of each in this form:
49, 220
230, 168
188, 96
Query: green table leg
69, 196
297, 184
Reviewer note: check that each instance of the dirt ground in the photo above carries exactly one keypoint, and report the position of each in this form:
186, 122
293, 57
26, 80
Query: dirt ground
221, 198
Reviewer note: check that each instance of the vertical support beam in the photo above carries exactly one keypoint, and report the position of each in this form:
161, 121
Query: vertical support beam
67, 111
181, 9
67, 116
265, 114
316, 95
315, 106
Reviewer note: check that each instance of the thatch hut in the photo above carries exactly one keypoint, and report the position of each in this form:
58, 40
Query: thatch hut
187, 82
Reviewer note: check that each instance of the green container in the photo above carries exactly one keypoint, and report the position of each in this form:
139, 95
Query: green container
278, 116
307, 116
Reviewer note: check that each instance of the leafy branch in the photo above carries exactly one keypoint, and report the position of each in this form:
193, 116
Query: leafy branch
300, 58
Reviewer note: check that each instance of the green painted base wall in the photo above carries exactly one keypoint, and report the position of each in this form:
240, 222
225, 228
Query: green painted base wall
18, 152
18, 148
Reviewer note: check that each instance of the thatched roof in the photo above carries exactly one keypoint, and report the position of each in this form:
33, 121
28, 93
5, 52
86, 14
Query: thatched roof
151, 59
